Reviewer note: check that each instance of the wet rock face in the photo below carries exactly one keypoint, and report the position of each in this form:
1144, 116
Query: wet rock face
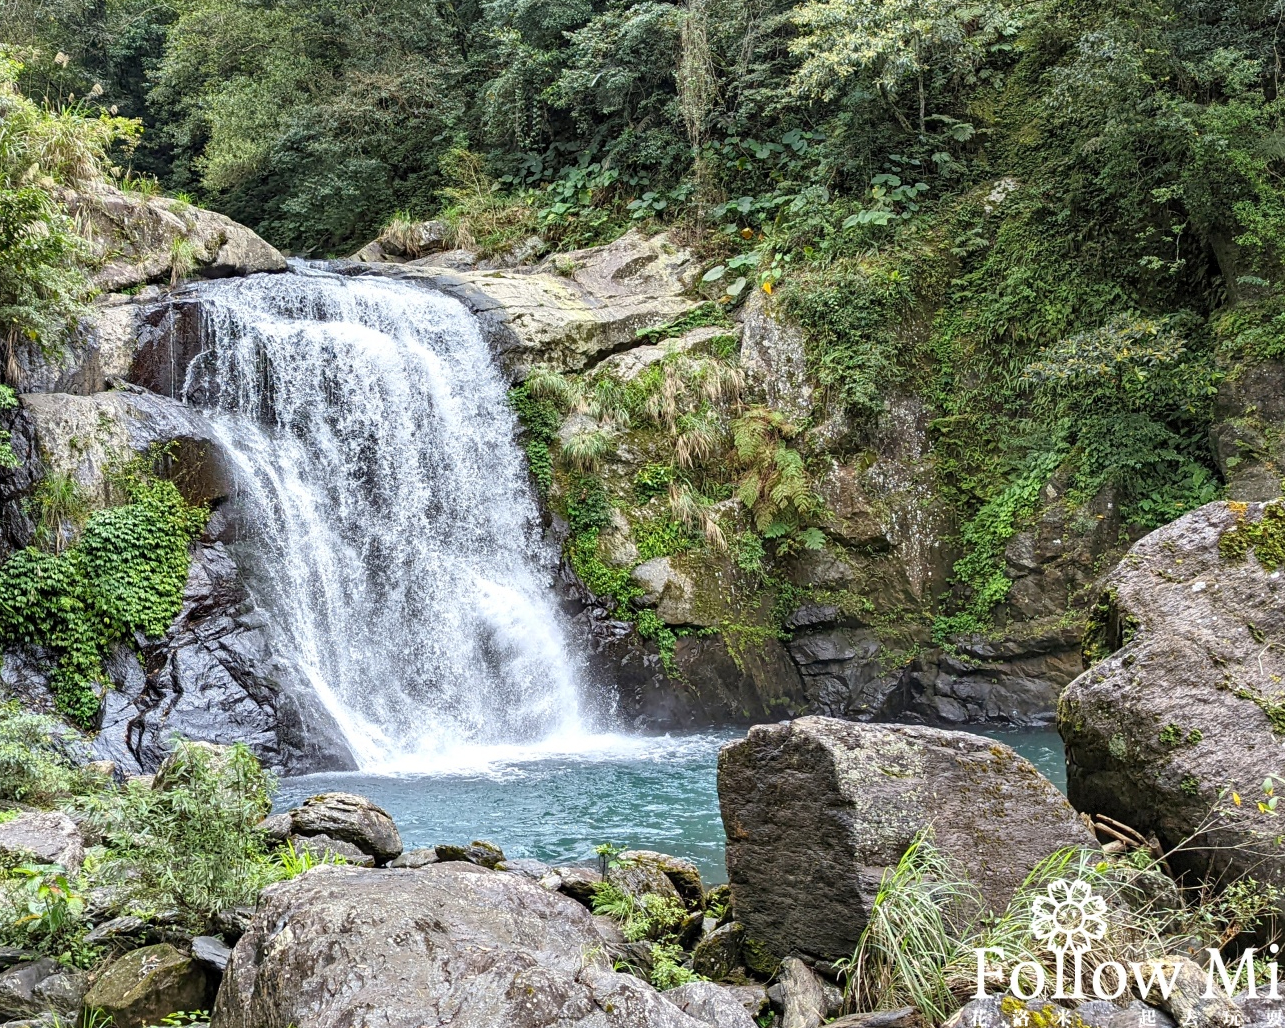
446, 944
1184, 702
215, 678
816, 809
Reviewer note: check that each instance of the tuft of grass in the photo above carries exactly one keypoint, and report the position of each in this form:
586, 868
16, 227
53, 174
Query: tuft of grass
920, 923
60, 508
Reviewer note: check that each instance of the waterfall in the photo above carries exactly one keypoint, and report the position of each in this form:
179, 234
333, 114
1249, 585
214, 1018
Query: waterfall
386, 521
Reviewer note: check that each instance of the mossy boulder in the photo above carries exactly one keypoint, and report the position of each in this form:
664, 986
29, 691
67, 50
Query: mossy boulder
148, 984
1184, 710
816, 809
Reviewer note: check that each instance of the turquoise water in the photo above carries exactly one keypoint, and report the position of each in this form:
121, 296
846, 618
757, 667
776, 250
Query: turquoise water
646, 793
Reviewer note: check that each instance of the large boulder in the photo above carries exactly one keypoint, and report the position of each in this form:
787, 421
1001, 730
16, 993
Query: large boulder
44, 837
141, 239
351, 819
82, 437
1182, 713
148, 984
817, 809
40, 987
446, 944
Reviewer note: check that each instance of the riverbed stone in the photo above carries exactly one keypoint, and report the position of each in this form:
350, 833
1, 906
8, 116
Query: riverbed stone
714, 1004
816, 809
415, 858
718, 954
352, 819
683, 875
148, 984
327, 848
797, 995
39, 986
447, 944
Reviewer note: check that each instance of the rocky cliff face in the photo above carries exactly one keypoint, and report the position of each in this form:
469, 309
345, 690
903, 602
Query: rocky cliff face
856, 640
845, 630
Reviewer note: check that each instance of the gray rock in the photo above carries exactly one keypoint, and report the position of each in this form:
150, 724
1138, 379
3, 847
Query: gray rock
525, 866
579, 883
134, 236
1097, 1013
641, 878
49, 837
1190, 1002
40, 987
148, 984
233, 922
719, 953
10, 955
773, 356
683, 875
277, 827
905, 1017
326, 848
978, 1013
354, 819
215, 677
211, 952
484, 854
470, 948
711, 1003
541, 315
670, 591
127, 926
415, 858
1180, 709
816, 809
1140, 1015
797, 995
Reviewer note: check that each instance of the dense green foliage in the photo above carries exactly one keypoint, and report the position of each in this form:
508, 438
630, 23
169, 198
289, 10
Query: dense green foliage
36, 765
125, 574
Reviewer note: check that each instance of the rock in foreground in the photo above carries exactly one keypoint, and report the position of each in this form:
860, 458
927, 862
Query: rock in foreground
816, 809
446, 944
1186, 701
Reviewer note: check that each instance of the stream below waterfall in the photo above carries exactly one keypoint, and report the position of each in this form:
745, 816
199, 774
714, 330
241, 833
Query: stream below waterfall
643, 792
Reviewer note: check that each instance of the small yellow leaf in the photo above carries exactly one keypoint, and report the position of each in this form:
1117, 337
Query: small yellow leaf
767, 288
1235, 798
747, 233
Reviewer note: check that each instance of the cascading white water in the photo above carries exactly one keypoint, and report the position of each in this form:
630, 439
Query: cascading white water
392, 533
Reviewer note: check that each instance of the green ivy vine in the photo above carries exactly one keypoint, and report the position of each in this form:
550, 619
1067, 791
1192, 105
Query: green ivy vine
126, 574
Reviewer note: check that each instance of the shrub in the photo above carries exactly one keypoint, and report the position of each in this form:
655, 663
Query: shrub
35, 765
190, 844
